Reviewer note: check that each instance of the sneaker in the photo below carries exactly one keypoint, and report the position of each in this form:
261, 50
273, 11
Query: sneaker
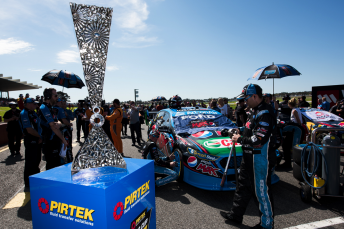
227, 216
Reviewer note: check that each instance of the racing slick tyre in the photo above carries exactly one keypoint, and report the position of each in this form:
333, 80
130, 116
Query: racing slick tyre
179, 168
306, 193
297, 172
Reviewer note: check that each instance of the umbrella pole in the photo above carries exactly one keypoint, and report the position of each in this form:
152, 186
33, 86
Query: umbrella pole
273, 86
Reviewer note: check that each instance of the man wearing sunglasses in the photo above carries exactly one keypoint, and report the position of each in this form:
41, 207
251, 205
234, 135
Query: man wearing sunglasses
52, 136
257, 161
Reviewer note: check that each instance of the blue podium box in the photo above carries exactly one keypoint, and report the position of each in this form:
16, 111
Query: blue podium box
127, 201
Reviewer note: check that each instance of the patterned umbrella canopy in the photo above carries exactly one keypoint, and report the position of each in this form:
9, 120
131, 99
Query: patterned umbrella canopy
63, 78
273, 71
159, 98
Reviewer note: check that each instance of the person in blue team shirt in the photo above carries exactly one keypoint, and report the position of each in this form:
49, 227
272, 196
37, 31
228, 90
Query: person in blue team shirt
68, 113
60, 113
325, 105
78, 114
30, 125
51, 134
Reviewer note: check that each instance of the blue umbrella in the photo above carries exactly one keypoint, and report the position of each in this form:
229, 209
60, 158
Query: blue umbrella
63, 78
159, 98
274, 71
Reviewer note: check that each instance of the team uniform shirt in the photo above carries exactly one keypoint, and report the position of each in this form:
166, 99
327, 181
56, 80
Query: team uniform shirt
258, 128
12, 125
59, 112
47, 115
30, 119
326, 106
69, 116
77, 113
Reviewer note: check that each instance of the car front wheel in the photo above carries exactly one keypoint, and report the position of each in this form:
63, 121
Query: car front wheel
179, 168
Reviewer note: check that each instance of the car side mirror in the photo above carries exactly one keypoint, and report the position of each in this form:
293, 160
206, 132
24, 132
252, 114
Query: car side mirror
163, 129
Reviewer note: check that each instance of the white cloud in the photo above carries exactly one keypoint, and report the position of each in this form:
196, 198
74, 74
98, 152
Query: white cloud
34, 70
131, 15
68, 56
112, 68
12, 46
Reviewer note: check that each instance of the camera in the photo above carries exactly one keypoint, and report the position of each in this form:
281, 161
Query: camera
228, 133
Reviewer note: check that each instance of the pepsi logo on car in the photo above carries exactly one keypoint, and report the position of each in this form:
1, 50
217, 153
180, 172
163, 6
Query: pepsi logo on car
192, 161
202, 134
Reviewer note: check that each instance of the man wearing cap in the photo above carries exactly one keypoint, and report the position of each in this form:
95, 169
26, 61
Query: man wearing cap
21, 102
51, 134
13, 129
272, 101
303, 102
78, 114
27, 96
30, 125
257, 161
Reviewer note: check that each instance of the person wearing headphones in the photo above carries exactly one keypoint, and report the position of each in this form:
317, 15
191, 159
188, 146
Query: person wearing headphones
116, 125
257, 162
52, 136
30, 125
14, 132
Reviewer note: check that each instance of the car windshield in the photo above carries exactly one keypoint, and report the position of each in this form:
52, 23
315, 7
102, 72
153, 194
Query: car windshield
192, 122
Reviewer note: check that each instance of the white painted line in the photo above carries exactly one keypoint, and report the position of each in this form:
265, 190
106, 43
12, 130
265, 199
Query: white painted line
333, 98
319, 224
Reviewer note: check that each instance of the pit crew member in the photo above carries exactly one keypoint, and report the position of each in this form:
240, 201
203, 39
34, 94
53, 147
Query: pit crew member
162, 165
257, 161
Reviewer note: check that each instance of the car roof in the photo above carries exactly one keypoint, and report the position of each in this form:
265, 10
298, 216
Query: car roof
186, 110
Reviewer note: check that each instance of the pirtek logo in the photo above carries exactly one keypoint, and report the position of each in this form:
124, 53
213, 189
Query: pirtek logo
129, 200
66, 209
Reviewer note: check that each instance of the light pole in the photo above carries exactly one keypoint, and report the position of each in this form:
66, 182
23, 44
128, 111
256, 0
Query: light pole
136, 92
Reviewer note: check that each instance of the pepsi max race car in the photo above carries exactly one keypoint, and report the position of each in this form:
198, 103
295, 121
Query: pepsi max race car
194, 137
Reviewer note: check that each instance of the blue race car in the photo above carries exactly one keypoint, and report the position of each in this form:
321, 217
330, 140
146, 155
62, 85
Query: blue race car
194, 137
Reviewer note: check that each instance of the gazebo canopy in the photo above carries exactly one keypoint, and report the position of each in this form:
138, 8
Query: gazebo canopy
9, 84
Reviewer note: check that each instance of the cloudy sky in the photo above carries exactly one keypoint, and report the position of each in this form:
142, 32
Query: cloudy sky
197, 49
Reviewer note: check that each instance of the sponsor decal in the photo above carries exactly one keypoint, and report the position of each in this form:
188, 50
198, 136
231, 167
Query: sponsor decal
260, 134
192, 161
66, 211
202, 124
198, 116
219, 143
202, 134
269, 72
248, 125
131, 200
142, 220
254, 138
192, 151
185, 113
43, 205
263, 130
206, 162
264, 123
205, 156
118, 211
207, 169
